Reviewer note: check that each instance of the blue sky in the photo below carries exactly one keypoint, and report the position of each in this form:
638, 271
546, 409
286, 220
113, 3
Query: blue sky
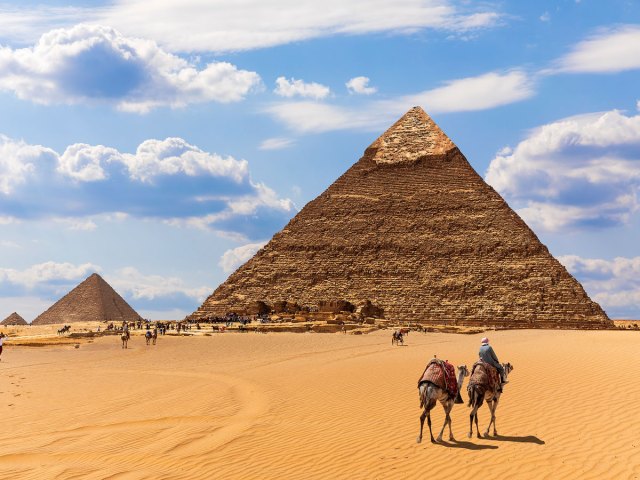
161, 147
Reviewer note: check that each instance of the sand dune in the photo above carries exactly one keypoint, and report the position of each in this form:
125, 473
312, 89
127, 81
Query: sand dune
304, 406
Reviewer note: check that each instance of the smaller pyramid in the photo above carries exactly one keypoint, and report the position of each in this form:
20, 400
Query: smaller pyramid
14, 319
94, 300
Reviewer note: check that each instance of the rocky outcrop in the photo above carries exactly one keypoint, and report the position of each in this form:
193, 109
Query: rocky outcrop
14, 319
92, 300
414, 229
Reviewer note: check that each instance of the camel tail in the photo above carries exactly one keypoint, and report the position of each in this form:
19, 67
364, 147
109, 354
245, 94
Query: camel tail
421, 393
475, 397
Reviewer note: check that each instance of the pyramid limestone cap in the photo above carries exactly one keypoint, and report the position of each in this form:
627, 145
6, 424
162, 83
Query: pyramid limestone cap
412, 137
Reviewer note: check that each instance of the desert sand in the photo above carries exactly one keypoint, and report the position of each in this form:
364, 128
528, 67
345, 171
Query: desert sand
299, 406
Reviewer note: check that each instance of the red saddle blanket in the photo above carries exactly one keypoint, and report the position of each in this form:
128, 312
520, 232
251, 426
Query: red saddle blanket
441, 374
484, 374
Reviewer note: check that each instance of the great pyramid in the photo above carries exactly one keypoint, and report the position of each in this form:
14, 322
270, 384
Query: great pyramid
412, 227
14, 319
92, 300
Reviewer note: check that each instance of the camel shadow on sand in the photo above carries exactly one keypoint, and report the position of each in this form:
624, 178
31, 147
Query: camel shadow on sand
513, 438
465, 445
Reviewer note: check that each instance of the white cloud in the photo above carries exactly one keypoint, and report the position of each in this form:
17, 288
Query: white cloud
168, 179
8, 220
360, 86
84, 162
79, 224
582, 171
264, 197
136, 285
482, 92
485, 91
173, 156
232, 259
88, 163
615, 284
18, 162
307, 117
229, 25
276, 143
46, 272
97, 64
545, 17
612, 50
26, 24
299, 88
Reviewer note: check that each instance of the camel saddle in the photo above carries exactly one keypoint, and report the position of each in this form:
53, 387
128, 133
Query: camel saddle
442, 374
485, 374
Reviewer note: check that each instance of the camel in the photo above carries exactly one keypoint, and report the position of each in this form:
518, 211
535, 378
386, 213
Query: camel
154, 337
397, 338
478, 392
147, 336
125, 338
429, 394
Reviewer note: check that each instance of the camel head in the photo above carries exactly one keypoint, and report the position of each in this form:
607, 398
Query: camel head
462, 369
507, 368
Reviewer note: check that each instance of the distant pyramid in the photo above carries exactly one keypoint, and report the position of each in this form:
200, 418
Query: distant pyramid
14, 319
413, 228
92, 300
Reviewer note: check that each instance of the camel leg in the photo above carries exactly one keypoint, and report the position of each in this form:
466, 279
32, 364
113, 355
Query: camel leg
422, 417
490, 405
493, 405
429, 423
447, 421
428, 408
472, 415
451, 438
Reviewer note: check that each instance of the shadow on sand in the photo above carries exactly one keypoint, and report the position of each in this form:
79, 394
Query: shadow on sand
466, 445
524, 439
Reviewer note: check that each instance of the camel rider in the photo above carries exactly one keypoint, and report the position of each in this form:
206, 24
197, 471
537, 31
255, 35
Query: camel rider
487, 355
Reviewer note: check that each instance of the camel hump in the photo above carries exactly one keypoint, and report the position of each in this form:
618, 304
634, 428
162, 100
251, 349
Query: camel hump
484, 374
442, 374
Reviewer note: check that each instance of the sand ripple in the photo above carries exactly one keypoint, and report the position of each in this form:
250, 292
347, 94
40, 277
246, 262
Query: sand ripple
302, 406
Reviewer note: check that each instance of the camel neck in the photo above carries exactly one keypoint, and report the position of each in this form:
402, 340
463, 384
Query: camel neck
460, 379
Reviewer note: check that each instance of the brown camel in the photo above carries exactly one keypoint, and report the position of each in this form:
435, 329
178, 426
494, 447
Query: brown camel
480, 391
125, 338
429, 394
